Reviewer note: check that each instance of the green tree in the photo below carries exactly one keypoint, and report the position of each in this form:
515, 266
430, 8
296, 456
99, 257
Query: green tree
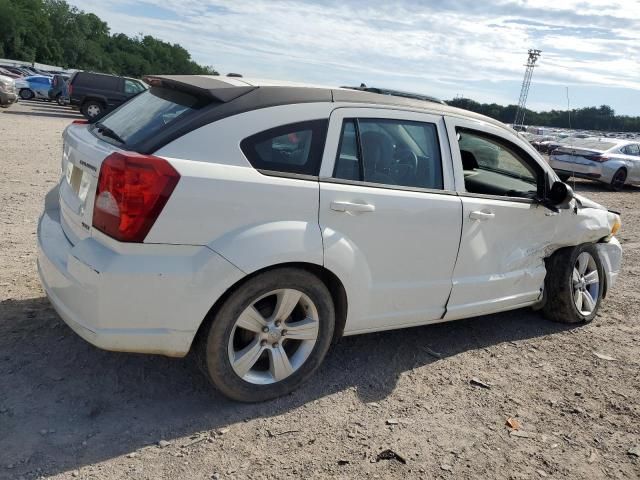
588, 118
52, 32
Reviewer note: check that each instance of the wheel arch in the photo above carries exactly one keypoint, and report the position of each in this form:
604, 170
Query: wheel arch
332, 282
94, 98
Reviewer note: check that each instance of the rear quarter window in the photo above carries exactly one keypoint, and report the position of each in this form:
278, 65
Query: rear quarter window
290, 149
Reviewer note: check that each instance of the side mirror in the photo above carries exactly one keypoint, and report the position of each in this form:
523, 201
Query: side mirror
560, 195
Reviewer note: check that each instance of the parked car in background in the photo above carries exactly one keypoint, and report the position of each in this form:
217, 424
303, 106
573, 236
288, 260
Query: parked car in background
9, 73
257, 222
34, 87
607, 160
59, 90
16, 70
7, 91
96, 93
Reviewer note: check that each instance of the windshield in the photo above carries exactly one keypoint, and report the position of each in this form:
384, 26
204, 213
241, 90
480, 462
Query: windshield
147, 113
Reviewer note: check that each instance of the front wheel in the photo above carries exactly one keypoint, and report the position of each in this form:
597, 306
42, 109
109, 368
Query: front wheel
269, 336
26, 94
92, 109
574, 284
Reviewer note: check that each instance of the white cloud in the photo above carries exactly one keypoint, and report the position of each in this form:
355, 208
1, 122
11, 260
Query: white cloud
443, 47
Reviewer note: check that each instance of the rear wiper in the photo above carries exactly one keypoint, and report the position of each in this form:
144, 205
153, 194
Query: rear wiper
107, 132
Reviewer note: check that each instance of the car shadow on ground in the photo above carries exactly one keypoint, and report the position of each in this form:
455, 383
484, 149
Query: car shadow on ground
66, 404
52, 114
581, 186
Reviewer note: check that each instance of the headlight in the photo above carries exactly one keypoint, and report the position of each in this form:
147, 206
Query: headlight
617, 225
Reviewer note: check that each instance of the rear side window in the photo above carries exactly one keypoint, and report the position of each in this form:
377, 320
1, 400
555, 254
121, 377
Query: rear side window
390, 152
295, 148
631, 150
100, 82
149, 112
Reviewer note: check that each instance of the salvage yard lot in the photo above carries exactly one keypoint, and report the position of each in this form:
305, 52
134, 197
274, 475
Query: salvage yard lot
69, 410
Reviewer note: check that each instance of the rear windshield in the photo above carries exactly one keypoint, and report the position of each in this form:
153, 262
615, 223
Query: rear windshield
149, 112
590, 143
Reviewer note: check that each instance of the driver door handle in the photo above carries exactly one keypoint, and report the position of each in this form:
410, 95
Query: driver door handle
480, 215
352, 207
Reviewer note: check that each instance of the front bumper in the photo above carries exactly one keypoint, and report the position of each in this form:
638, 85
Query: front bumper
7, 98
151, 301
611, 257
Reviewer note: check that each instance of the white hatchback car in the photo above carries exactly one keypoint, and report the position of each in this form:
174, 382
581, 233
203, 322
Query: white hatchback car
257, 222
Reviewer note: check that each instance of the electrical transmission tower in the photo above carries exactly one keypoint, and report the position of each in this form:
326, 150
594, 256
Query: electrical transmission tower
526, 83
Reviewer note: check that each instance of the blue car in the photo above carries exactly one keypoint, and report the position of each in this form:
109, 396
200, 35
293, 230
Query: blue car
36, 86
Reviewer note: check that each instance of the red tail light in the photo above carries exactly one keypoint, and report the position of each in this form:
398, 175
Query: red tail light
132, 191
70, 89
597, 158
80, 122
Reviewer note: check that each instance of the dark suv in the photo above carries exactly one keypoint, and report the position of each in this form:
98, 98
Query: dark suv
95, 93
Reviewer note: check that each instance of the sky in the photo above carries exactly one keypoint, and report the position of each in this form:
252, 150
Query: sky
446, 48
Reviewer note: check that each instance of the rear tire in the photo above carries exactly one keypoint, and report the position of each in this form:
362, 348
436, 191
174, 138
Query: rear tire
574, 284
618, 180
279, 362
92, 109
59, 100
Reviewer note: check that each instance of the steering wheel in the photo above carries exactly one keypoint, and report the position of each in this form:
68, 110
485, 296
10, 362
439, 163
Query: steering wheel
405, 164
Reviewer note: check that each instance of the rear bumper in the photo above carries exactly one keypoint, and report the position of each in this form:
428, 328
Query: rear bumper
587, 169
148, 302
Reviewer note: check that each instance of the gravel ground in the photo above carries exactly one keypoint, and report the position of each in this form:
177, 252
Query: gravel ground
69, 410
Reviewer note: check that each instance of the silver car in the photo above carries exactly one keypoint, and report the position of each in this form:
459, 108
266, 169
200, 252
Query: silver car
607, 160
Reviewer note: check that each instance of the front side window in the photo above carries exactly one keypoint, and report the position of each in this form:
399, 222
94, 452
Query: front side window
390, 152
295, 148
494, 166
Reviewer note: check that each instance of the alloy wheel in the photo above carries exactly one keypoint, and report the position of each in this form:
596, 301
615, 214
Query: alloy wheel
93, 110
273, 337
586, 284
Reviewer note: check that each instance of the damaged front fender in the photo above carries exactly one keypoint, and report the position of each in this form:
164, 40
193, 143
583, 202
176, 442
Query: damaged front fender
501, 263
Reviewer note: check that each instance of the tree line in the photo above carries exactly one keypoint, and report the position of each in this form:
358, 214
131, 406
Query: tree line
588, 118
55, 33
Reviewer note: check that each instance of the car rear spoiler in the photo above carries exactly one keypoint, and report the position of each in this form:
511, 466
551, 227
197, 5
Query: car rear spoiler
218, 90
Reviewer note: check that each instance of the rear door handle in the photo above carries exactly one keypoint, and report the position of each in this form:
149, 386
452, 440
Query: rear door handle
479, 215
352, 207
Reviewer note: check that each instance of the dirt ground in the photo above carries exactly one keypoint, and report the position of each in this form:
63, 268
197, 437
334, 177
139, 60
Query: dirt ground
69, 410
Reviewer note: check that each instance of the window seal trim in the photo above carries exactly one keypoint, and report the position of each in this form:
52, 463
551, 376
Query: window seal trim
499, 197
383, 186
359, 183
291, 175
